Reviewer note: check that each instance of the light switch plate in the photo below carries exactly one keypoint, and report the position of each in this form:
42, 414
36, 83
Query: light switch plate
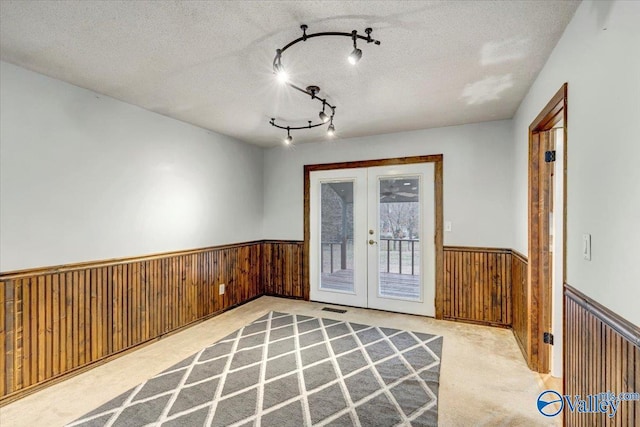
447, 226
221, 289
586, 246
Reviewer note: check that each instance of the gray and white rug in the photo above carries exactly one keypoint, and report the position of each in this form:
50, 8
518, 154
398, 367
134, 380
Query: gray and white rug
291, 370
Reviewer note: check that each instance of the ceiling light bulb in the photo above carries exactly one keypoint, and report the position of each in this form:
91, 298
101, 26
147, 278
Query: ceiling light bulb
331, 130
355, 56
288, 140
324, 117
281, 74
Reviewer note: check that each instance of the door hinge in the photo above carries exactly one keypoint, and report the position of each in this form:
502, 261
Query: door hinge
548, 338
550, 156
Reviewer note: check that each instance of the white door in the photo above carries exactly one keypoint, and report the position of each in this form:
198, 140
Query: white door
372, 240
401, 257
338, 218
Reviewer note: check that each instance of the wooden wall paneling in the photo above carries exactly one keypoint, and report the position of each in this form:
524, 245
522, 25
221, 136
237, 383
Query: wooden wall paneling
240, 278
477, 285
3, 338
231, 266
602, 353
218, 278
103, 319
519, 302
57, 321
30, 335
13, 349
265, 267
127, 306
136, 305
45, 331
91, 317
204, 287
219, 275
282, 269
26, 331
66, 335
460, 301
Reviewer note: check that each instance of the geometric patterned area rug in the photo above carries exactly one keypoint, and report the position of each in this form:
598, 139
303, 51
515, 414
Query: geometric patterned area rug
291, 370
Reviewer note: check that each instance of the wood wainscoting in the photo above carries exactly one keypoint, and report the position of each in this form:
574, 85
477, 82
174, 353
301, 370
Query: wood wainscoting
282, 269
59, 321
602, 354
521, 321
477, 285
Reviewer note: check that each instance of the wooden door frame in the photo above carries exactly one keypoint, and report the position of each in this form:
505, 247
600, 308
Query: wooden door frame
554, 112
437, 159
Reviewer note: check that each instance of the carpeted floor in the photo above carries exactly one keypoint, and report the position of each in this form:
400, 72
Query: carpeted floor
291, 370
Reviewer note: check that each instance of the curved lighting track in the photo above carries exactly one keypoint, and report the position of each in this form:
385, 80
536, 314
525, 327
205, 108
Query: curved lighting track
312, 91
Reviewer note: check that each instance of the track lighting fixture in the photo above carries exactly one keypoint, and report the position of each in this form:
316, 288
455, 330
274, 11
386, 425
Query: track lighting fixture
356, 53
278, 69
289, 139
355, 56
313, 90
331, 130
323, 115
283, 76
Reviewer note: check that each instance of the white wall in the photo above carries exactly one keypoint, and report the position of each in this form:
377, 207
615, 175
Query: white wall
598, 55
85, 177
477, 178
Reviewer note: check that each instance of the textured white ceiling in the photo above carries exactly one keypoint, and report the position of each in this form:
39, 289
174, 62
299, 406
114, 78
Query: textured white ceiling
209, 63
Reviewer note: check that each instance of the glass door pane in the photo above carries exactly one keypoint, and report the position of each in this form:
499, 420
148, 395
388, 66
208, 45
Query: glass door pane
399, 249
338, 255
336, 236
401, 242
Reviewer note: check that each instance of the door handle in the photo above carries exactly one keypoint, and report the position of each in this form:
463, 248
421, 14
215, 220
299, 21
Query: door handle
372, 242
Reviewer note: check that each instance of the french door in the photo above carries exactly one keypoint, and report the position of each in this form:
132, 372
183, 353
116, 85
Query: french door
372, 237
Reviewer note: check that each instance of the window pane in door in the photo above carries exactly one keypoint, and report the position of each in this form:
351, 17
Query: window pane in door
399, 241
336, 236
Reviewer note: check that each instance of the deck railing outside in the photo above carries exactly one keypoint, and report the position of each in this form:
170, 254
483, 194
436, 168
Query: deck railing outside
400, 256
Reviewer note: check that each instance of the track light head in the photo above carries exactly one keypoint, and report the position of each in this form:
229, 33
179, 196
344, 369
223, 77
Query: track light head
281, 73
324, 117
355, 56
289, 139
331, 130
